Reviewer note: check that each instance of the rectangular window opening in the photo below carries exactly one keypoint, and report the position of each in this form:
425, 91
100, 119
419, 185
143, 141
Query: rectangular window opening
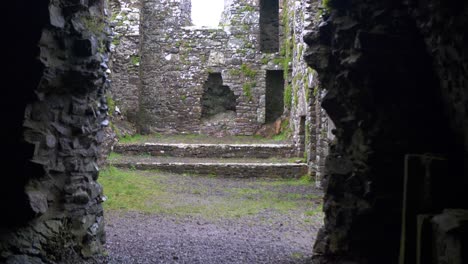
269, 26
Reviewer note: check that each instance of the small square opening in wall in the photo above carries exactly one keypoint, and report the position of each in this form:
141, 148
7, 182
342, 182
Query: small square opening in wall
269, 26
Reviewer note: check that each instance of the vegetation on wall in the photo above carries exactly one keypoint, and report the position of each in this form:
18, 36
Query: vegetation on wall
135, 60
288, 96
248, 75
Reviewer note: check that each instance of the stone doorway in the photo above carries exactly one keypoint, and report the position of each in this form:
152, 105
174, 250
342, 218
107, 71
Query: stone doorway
274, 104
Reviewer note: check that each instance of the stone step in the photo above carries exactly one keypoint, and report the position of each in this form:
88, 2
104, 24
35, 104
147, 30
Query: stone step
259, 151
239, 168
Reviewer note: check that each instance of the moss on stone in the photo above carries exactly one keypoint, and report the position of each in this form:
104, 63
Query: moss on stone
287, 100
135, 60
247, 89
248, 71
110, 104
94, 24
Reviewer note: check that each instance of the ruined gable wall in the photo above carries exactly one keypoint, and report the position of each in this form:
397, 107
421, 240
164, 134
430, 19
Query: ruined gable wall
176, 61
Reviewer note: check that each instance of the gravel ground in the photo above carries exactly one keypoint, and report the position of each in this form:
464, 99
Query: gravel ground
266, 236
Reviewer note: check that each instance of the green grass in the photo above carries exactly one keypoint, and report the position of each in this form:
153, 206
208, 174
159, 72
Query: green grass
157, 192
128, 190
192, 138
305, 180
114, 156
133, 139
317, 210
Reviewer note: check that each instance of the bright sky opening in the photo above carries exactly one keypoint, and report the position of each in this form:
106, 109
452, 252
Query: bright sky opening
207, 12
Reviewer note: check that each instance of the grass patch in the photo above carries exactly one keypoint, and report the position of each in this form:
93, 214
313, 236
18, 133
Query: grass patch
137, 138
316, 211
305, 180
158, 193
114, 156
128, 190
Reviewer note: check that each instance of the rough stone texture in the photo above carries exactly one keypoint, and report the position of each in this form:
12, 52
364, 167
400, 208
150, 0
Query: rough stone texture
176, 62
51, 202
125, 59
391, 71
310, 124
450, 230
209, 150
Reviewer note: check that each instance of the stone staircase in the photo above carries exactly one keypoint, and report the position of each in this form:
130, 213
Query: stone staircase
231, 160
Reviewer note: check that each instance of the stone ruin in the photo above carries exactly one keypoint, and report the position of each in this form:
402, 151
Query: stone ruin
394, 82
168, 75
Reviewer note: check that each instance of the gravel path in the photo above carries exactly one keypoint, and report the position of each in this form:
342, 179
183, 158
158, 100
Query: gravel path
268, 235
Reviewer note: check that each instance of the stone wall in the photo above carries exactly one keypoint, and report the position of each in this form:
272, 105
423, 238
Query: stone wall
177, 60
391, 71
51, 202
173, 74
125, 59
310, 124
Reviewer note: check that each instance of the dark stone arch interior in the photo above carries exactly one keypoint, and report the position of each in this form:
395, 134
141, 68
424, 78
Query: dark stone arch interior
24, 71
387, 95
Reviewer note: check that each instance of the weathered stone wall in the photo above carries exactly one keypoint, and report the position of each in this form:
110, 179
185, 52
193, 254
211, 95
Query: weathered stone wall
51, 203
309, 122
125, 59
258, 151
391, 71
176, 61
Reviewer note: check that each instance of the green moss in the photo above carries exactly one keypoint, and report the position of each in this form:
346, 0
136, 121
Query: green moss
183, 97
116, 40
135, 60
235, 72
247, 89
265, 60
316, 90
286, 62
247, 8
327, 4
287, 96
94, 24
110, 104
132, 139
248, 71
307, 92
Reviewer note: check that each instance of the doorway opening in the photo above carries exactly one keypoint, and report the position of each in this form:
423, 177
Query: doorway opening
274, 103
